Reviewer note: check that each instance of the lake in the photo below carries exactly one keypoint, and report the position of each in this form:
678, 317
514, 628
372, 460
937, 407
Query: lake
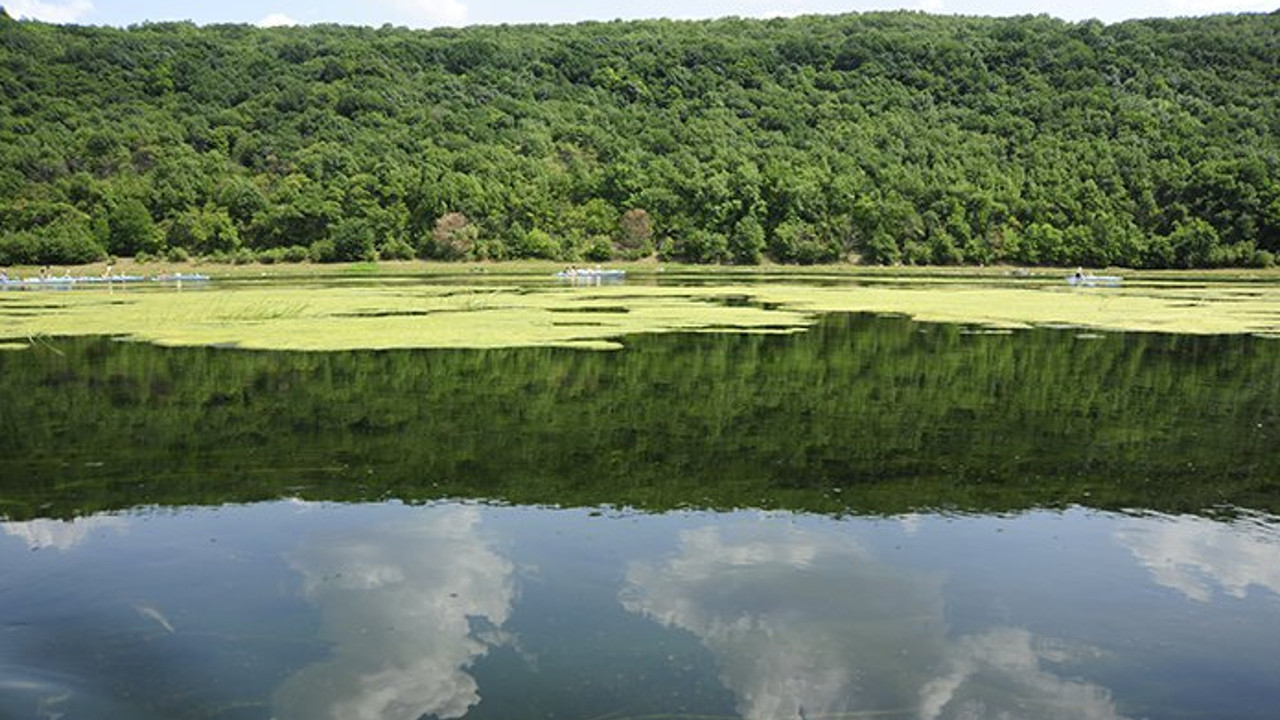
870, 518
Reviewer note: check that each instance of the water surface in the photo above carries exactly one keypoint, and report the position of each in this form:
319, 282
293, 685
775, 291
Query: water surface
875, 518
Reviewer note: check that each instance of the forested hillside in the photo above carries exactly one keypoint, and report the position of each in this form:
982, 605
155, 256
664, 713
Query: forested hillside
889, 137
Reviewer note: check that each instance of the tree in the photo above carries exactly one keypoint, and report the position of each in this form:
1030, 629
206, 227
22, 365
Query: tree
747, 243
635, 234
353, 240
895, 137
203, 231
131, 229
454, 237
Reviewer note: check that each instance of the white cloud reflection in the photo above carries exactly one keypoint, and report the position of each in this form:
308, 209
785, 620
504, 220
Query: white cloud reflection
805, 624
397, 604
1198, 556
62, 535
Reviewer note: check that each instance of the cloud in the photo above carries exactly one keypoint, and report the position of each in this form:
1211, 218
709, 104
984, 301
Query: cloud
277, 20
60, 534
69, 11
397, 604
807, 624
429, 12
1197, 556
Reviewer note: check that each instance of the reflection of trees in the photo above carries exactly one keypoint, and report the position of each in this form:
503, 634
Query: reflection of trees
398, 604
858, 414
1195, 555
804, 625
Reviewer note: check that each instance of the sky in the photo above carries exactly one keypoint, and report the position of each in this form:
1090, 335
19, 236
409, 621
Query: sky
457, 13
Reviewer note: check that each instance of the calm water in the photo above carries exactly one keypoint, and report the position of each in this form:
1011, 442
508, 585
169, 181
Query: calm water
877, 518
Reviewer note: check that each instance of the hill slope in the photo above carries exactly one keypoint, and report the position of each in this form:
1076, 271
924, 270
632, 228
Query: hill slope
895, 137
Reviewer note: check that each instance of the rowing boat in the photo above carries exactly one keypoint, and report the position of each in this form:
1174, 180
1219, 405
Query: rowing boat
1094, 280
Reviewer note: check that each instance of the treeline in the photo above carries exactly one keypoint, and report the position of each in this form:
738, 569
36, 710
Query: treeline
884, 137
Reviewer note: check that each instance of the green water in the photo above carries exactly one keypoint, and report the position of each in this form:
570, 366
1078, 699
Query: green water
875, 518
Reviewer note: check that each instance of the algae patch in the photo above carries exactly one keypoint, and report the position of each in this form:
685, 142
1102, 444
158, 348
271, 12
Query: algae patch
376, 315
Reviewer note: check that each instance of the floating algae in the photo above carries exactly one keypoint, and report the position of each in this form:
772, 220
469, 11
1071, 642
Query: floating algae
383, 315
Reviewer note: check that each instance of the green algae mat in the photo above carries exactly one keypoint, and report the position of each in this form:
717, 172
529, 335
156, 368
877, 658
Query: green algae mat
523, 311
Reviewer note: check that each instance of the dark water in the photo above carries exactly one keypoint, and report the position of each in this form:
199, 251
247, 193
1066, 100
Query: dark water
876, 518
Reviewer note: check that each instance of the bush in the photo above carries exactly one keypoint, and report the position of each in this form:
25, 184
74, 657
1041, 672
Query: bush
296, 254
490, 249
599, 249
538, 243
270, 256
323, 251
395, 249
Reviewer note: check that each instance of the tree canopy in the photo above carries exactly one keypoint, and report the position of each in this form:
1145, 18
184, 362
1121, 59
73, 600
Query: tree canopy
884, 137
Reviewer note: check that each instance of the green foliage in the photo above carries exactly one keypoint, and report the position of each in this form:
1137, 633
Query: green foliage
698, 246
747, 242
395, 249
45, 233
353, 240
131, 230
203, 231
894, 137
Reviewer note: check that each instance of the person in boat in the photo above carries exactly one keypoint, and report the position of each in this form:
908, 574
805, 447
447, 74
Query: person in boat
1079, 273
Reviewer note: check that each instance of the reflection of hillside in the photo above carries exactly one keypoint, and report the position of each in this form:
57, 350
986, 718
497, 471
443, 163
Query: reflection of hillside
804, 625
858, 415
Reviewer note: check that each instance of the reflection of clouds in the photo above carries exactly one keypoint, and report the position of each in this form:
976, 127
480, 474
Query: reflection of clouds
806, 624
997, 674
801, 623
62, 534
1193, 555
397, 603
910, 523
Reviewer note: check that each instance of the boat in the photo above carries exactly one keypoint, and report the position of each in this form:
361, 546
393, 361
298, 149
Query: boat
1087, 280
591, 274
66, 282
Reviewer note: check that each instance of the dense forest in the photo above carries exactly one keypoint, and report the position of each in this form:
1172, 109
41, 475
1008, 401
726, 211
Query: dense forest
880, 138
861, 414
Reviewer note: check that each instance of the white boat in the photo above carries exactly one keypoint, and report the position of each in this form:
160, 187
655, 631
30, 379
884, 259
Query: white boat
70, 281
592, 273
1087, 280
